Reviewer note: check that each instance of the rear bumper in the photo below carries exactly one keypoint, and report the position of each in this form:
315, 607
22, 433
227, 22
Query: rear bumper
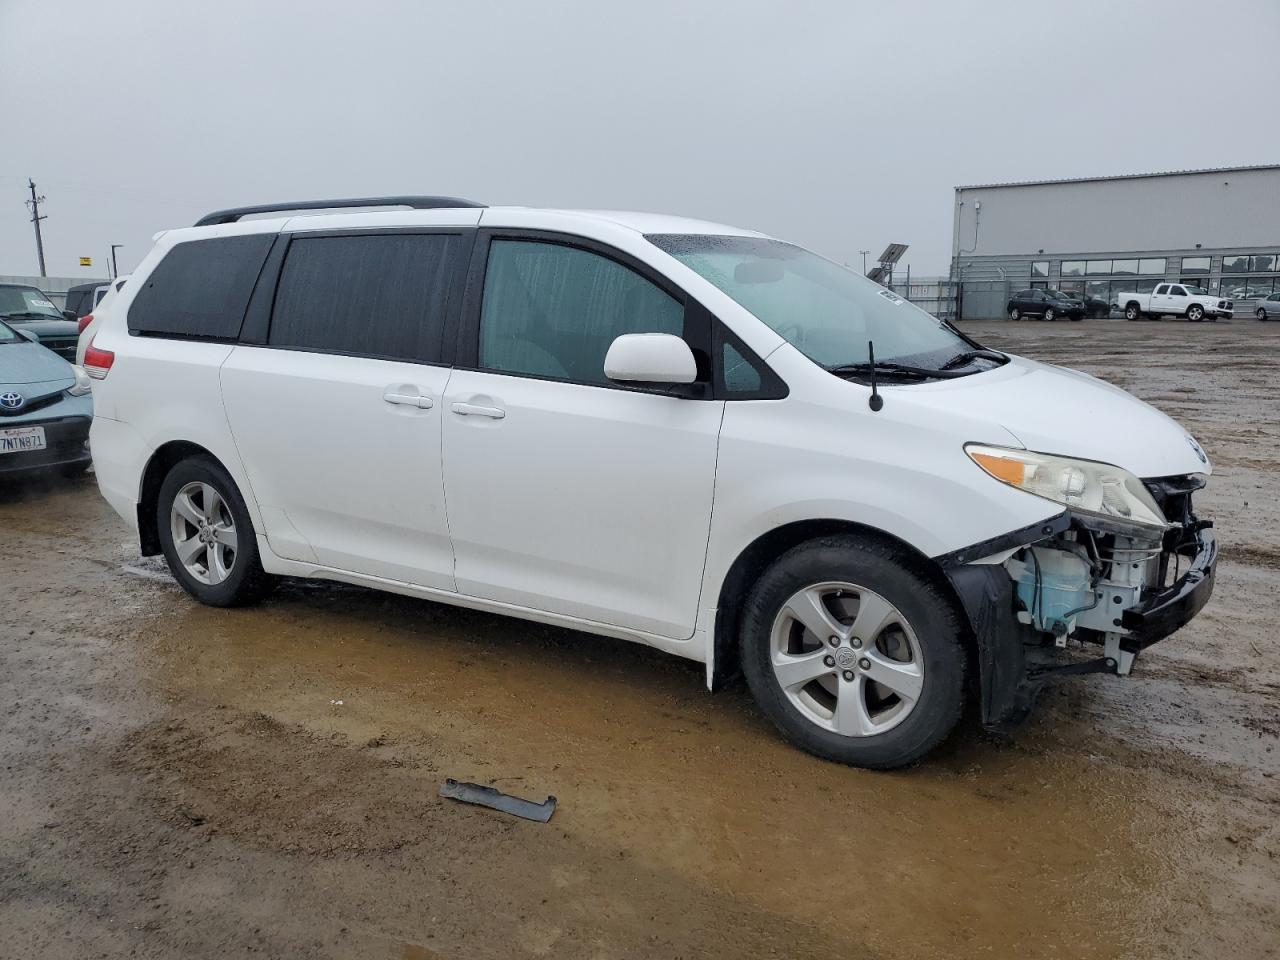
67, 444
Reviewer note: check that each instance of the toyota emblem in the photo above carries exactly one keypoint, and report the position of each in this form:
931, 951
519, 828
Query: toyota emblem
12, 401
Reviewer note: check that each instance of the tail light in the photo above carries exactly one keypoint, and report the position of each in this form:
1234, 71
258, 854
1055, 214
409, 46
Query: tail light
84, 322
97, 362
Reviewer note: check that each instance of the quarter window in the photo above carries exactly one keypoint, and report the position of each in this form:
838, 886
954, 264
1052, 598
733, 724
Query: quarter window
201, 288
551, 310
377, 295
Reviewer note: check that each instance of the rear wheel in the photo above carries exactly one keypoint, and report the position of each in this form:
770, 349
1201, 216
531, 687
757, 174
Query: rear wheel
207, 536
853, 654
1131, 312
1261, 314
1195, 313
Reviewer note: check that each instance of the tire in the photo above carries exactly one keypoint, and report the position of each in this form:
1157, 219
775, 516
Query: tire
1049, 314
850, 576
1261, 314
1015, 314
1195, 313
1132, 312
233, 576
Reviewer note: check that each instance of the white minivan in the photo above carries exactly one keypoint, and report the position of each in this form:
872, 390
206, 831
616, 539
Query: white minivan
669, 431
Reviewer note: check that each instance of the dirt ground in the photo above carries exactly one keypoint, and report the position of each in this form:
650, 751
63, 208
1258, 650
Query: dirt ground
187, 782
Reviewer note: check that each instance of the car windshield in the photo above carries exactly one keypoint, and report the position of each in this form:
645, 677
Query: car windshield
825, 311
26, 303
1059, 295
7, 334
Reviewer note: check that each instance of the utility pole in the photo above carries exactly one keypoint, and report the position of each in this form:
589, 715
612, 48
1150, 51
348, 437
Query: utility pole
864, 261
115, 270
34, 204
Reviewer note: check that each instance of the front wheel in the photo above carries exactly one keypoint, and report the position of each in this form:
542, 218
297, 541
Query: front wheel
207, 536
854, 655
1195, 313
1015, 314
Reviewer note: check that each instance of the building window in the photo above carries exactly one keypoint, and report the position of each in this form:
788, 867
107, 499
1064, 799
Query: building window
1234, 287
1039, 285
1073, 287
1263, 264
1073, 268
1127, 268
1195, 265
1235, 263
1039, 268
1151, 267
1143, 286
1097, 267
1260, 287
1100, 289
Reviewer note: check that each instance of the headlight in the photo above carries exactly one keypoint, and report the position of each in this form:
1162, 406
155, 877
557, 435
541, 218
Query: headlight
1082, 485
82, 385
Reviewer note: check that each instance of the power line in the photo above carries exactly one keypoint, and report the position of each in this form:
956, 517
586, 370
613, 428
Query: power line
34, 204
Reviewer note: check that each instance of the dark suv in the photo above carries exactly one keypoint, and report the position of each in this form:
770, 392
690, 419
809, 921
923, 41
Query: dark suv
1049, 304
29, 309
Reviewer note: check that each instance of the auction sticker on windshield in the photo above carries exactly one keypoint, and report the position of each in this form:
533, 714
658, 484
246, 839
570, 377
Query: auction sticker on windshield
21, 439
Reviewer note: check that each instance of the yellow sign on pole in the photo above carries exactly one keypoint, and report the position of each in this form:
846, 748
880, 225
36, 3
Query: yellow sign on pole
86, 261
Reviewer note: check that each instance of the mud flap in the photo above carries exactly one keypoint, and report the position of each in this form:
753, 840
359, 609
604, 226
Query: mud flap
1005, 693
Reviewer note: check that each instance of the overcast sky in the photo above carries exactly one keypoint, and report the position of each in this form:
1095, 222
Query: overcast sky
841, 126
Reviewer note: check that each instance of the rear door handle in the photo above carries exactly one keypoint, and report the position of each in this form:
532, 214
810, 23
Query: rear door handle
409, 400
476, 410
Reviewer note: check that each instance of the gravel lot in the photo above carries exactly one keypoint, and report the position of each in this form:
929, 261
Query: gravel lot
182, 781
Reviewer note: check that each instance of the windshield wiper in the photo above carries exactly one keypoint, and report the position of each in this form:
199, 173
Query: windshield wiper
961, 359
893, 369
30, 315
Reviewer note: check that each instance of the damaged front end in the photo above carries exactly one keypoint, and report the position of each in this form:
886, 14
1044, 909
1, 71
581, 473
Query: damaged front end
1044, 600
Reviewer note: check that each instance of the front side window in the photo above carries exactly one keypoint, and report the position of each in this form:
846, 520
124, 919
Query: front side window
378, 295
824, 310
1177, 292
551, 310
27, 303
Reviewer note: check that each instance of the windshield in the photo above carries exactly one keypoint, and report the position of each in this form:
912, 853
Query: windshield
825, 311
26, 303
1059, 295
7, 334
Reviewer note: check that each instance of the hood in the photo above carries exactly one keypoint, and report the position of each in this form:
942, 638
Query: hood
1055, 410
47, 328
24, 362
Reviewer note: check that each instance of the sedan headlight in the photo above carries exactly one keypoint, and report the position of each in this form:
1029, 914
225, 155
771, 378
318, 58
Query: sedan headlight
82, 385
1083, 485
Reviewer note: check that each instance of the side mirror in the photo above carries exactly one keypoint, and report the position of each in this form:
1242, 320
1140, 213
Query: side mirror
26, 335
650, 358
70, 315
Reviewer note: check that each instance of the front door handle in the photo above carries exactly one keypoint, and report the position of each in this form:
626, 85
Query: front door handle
408, 400
476, 410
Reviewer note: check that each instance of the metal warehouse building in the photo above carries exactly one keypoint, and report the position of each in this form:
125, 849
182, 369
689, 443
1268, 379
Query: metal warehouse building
1218, 229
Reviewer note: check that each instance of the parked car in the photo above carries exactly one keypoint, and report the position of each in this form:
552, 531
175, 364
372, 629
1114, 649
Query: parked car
29, 309
88, 324
45, 407
1095, 308
83, 297
1268, 308
1049, 304
669, 431
1174, 299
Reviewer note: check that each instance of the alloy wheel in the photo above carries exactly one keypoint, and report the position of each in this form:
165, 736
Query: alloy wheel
204, 532
846, 659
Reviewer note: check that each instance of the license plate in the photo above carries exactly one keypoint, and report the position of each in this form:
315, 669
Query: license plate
21, 439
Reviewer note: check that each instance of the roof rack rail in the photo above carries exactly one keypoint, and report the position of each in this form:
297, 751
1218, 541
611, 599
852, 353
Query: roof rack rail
233, 214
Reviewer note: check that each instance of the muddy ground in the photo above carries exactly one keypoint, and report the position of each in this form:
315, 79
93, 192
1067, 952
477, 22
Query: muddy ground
186, 782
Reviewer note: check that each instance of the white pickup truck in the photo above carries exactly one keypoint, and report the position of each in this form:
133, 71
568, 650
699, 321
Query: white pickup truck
1175, 299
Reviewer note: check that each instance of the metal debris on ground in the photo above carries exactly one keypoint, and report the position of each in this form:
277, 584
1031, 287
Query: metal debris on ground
497, 800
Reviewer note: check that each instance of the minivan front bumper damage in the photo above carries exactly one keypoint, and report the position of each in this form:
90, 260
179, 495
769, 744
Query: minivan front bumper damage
1015, 659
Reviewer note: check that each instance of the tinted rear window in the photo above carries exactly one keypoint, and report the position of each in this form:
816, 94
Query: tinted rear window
380, 295
200, 288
